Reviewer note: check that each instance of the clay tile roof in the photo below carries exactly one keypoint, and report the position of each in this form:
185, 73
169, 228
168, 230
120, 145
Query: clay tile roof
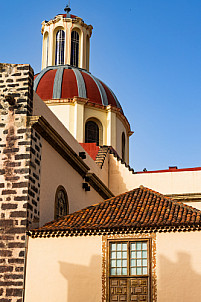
141, 209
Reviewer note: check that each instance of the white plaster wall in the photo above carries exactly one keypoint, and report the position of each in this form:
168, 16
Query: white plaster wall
65, 269
196, 204
120, 129
170, 182
122, 180
63, 113
178, 266
119, 176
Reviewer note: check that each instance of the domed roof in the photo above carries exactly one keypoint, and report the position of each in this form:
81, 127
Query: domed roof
65, 81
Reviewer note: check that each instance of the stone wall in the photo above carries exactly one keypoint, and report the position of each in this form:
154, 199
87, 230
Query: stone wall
20, 149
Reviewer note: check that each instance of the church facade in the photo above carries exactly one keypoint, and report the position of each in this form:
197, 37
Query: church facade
77, 222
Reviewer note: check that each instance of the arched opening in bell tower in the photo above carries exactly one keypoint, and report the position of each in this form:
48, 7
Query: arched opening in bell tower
75, 40
60, 47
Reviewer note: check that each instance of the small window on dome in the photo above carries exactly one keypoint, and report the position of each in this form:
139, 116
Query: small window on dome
92, 133
74, 48
60, 46
61, 203
123, 143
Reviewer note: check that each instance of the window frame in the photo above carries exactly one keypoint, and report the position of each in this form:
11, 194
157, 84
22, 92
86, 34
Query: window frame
128, 276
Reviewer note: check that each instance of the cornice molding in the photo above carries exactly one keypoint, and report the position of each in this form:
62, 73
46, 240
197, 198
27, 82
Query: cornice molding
188, 197
87, 103
76, 20
111, 231
99, 186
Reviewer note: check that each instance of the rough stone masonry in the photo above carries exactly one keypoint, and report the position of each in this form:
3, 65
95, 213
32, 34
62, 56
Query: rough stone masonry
20, 155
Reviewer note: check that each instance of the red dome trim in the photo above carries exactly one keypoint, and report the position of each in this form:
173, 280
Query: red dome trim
69, 84
93, 93
110, 97
45, 87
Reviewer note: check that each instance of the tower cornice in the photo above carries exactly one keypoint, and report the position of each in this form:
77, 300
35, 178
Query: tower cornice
58, 18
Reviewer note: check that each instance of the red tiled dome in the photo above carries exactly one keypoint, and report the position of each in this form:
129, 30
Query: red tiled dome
64, 81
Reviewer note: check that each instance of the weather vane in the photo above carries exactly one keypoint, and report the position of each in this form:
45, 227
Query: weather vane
67, 9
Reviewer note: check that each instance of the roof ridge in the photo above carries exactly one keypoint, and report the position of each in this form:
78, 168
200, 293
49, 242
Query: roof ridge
170, 198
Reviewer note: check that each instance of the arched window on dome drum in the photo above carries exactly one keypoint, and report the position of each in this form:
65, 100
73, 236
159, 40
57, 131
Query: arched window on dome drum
74, 48
60, 46
91, 133
123, 143
61, 203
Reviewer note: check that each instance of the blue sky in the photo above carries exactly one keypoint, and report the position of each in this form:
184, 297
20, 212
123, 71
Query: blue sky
147, 51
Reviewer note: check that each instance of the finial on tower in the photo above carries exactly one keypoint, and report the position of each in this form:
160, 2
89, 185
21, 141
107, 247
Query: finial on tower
67, 9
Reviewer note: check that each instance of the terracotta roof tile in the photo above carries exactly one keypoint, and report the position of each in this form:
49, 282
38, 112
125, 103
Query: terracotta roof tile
139, 209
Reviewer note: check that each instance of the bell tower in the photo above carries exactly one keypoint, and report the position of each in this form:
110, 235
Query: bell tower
66, 41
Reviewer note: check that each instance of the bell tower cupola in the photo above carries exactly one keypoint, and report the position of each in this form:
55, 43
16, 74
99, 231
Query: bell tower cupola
85, 105
66, 40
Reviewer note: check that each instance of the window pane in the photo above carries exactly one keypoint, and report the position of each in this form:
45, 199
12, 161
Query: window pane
144, 271
133, 262
133, 271
138, 246
133, 254
124, 255
139, 271
124, 263
118, 263
124, 246
113, 255
118, 271
139, 262
139, 255
144, 254
119, 255
113, 263
144, 245
113, 246
119, 247
144, 262
124, 271
133, 246
113, 271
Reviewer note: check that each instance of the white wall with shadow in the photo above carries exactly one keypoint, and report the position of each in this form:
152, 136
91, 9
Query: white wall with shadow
179, 267
64, 269
83, 281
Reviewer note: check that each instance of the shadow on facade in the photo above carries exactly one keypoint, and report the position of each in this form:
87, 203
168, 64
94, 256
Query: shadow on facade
83, 282
178, 281
116, 181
